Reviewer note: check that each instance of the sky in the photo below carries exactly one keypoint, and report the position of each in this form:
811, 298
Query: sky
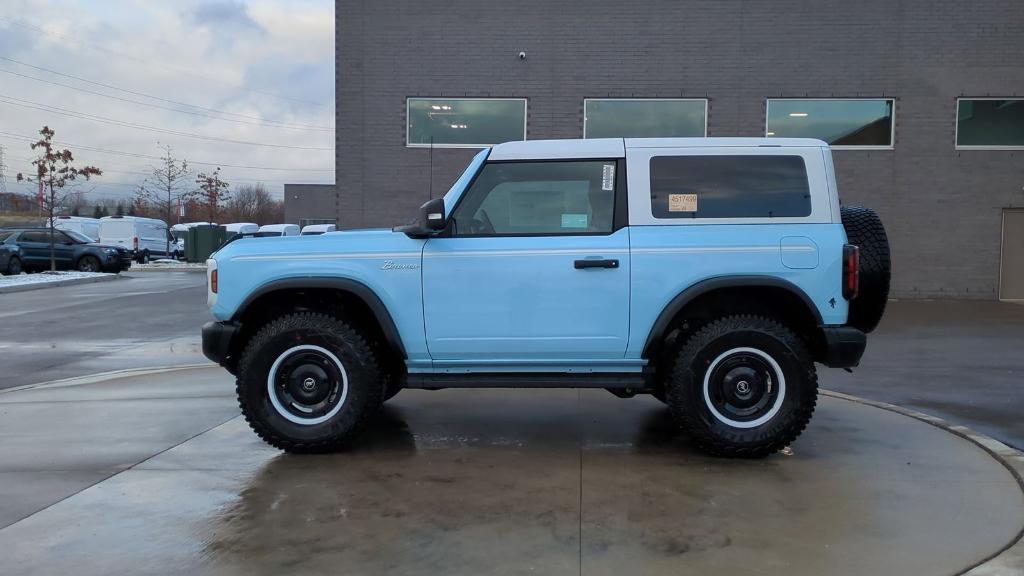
247, 86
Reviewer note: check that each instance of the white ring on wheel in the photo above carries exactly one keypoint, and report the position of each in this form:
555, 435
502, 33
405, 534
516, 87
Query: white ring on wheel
281, 409
778, 400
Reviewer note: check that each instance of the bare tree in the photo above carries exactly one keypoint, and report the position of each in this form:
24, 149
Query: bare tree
213, 194
252, 203
165, 188
54, 173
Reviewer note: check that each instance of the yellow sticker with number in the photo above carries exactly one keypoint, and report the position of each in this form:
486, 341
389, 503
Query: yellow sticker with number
682, 202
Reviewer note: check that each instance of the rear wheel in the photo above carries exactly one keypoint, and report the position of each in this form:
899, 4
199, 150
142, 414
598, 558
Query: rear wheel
743, 386
864, 229
308, 382
13, 266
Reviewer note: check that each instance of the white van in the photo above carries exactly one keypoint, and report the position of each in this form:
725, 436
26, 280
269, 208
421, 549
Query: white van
146, 238
88, 226
318, 229
278, 230
241, 228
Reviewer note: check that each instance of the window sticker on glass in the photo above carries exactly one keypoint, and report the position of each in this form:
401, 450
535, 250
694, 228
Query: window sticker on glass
682, 202
574, 220
608, 177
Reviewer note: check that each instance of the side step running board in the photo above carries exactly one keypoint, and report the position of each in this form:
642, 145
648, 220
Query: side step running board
633, 381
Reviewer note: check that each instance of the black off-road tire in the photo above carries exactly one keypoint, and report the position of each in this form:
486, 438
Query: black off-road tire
88, 263
687, 400
364, 392
864, 229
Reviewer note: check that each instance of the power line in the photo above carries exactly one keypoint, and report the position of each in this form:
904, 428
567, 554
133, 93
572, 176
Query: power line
143, 94
267, 123
26, 24
125, 124
25, 138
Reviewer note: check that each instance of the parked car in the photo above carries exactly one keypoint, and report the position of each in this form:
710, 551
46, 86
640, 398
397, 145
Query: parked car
88, 226
145, 238
269, 230
241, 228
10, 255
317, 229
71, 250
713, 277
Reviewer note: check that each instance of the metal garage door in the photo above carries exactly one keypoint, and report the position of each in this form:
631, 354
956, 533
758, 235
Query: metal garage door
1011, 270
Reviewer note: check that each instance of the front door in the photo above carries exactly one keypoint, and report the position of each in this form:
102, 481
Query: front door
535, 266
35, 247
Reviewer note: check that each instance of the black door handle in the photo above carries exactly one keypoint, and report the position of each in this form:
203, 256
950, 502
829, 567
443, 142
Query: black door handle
595, 263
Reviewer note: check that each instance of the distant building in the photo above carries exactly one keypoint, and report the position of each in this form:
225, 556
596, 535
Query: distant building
923, 101
306, 204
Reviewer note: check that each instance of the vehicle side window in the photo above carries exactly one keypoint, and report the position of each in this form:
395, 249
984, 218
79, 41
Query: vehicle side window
37, 237
729, 187
539, 198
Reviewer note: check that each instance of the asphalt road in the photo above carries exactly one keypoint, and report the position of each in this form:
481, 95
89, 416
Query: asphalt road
143, 319
959, 360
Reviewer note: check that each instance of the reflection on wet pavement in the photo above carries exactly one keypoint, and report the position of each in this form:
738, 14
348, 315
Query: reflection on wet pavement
538, 481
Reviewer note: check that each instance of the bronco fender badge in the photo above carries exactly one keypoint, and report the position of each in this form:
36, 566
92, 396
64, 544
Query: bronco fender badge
391, 265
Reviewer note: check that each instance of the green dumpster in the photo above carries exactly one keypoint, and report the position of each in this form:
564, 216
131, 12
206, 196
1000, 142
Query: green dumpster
203, 241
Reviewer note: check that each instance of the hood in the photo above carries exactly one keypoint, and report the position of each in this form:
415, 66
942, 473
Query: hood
98, 245
330, 244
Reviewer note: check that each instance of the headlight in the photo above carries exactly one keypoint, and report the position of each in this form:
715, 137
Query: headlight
111, 251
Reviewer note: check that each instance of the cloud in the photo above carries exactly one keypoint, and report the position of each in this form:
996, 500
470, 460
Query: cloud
223, 15
264, 63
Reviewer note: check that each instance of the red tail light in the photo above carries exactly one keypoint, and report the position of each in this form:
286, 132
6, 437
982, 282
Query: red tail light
213, 281
851, 271
135, 243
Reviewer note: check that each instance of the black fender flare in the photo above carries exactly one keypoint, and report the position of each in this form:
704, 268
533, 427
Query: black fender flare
705, 286
357, 288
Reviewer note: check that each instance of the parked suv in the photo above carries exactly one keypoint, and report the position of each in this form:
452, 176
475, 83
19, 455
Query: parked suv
71, 250
711, 273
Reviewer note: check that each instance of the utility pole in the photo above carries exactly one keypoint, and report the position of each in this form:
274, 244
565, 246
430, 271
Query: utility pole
3, 172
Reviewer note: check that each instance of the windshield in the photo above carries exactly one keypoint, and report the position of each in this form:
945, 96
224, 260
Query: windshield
179, 234
266, 234
78, 237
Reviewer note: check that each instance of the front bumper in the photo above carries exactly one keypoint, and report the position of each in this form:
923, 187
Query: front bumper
844, 346
217, 338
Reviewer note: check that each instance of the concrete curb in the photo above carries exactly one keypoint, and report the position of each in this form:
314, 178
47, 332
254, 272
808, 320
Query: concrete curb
1009, 561
103, 376
57, 283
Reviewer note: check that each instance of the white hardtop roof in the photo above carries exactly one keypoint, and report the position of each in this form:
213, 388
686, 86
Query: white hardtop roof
616, 147
134, 219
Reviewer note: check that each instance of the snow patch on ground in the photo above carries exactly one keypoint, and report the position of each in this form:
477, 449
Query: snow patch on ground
46, 278
164, 264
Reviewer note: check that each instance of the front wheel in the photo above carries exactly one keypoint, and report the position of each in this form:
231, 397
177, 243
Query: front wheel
743, 386
88, 264
308, 382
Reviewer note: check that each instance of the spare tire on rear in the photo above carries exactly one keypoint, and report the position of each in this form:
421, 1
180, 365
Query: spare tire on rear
864, 229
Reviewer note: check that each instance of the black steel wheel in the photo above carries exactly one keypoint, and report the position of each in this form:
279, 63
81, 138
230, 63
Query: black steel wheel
308, 382
743, 386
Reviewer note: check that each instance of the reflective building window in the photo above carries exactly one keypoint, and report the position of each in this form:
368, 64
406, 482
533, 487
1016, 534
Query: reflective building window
866, 123
990, 123
464, 122
644, 118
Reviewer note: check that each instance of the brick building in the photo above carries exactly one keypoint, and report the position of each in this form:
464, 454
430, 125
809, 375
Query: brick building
921, 99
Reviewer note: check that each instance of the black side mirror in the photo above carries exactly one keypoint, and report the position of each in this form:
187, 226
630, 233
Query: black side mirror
429, 221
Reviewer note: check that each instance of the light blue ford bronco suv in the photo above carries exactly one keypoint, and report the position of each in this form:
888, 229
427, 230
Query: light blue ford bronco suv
711, 273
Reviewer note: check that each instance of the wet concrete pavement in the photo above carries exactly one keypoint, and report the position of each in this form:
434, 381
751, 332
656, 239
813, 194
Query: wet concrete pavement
959, 360
481, 481
141, 319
